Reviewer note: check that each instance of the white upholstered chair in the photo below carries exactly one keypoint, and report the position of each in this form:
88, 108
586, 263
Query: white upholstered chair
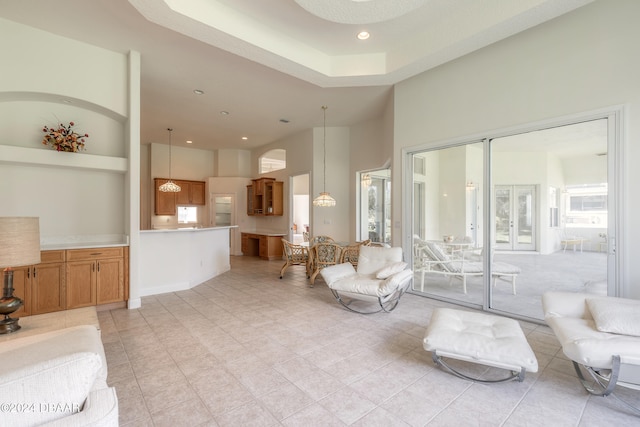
600, 335
381, 277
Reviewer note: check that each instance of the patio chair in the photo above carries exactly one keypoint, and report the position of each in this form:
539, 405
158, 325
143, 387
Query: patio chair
429, 257
381, 277
294, 255
323, 255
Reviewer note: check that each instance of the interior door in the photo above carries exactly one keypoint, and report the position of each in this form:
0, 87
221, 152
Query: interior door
223, 213
515, 212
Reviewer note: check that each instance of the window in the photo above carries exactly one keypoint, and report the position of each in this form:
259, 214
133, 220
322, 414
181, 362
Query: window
187, 214
586, 205
273, 160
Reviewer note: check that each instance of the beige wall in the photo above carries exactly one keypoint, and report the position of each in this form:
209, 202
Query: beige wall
583, 61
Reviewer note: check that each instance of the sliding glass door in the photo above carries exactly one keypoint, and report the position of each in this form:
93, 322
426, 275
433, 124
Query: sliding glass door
503, 220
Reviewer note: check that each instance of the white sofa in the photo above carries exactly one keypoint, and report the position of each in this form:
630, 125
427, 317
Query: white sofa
56, 378
599, 333
381, 277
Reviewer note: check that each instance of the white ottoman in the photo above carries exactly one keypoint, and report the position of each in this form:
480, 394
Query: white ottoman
479, 338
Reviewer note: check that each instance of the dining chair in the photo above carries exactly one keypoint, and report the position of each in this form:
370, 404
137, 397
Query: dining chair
351, 253
294, 255
323, 255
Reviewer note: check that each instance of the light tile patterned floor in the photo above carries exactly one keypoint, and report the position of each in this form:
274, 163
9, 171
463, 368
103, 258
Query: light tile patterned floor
249, 349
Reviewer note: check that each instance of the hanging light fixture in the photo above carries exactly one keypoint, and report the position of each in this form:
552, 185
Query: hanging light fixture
324, 199
170, 186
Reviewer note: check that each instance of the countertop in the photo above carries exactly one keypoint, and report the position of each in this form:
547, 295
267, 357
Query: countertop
83, 242
172, 230
263, 232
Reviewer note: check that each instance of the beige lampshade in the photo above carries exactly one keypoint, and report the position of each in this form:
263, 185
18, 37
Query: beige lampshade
19, 241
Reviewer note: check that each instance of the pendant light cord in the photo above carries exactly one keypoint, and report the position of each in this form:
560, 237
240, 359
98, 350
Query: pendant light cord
324, 148
170, 131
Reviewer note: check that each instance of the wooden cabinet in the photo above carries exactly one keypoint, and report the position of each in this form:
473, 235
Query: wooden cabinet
95, 276
265, 197
48, 283
266, 246
191, 193
71, 279
165, 203
22, 289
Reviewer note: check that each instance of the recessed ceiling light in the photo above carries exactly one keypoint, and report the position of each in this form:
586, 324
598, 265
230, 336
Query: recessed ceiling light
244, 138
189, 142
363, 35
284, 121
198, 92
224, 113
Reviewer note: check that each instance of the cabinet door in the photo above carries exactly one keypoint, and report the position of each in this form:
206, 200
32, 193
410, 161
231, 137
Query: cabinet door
250, 200
197, 193
22, 289
273, 201
48, 288
264, 247
183, 197
165, 203
81, 284
110, 280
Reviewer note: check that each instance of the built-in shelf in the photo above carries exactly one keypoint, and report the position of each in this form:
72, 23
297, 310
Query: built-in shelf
34, 156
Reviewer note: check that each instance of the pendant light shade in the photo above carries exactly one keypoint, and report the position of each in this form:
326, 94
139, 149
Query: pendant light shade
324, 199
170, 186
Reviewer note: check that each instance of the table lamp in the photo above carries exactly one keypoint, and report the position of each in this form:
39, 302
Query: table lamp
19, 246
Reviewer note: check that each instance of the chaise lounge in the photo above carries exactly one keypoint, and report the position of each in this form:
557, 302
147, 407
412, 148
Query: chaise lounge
429, 257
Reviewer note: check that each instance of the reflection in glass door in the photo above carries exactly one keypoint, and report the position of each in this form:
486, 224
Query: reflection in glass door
515, 209
517, 253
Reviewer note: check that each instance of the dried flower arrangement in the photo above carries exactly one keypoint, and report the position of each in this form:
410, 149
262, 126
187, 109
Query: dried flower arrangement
64, 138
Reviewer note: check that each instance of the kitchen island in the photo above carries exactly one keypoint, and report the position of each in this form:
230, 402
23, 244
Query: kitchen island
179, 259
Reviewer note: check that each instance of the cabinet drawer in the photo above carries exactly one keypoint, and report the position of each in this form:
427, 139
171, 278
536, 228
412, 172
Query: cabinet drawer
94, 253
52, 256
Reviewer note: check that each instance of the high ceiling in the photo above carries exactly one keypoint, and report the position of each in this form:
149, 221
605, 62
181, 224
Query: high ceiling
272, 64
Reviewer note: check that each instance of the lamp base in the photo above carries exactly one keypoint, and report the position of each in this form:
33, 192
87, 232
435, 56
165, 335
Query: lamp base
8, 325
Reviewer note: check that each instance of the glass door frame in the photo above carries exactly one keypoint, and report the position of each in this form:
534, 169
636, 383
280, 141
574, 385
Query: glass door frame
615, 174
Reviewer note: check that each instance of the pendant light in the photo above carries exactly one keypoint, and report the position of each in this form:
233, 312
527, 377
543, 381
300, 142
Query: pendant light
170, 186
324, 199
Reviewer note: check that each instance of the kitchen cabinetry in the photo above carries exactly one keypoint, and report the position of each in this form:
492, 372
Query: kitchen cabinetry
265, 197
72, 278
265, 245
191, 193
94, 276
48, 282
165, 203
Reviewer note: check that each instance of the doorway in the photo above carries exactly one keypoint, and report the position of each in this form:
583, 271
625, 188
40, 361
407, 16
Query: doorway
223, 213
299, 207
515, 217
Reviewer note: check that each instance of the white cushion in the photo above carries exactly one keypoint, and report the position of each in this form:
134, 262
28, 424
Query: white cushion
334, 273
480, 338
368, 284
391, 269
583, 343
373, 258
615, 315
57, 368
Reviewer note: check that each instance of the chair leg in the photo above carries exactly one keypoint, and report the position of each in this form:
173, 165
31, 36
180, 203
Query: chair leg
283, 269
